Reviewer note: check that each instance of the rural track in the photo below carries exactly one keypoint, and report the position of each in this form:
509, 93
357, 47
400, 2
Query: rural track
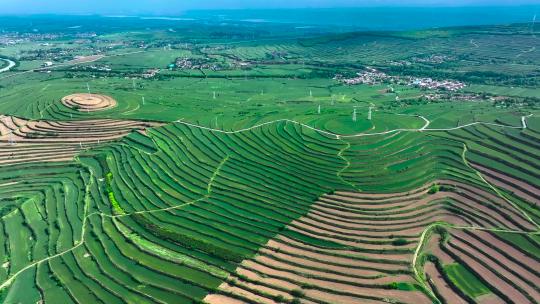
78, 242
347, 165
10, 65
424, 128
67, 64
424, 239
86, 216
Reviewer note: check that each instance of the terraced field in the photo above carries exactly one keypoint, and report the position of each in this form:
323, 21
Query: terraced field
265, 180
23, 141
274, 213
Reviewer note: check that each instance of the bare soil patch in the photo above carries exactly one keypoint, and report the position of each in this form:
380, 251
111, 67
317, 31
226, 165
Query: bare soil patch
86, 102
442, 287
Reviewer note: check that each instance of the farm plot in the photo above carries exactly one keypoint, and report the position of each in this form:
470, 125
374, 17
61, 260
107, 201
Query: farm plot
358, 248
274, 213
484, 266
23, 141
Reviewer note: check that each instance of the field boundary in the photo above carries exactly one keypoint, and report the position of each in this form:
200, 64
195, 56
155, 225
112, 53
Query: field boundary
341, 136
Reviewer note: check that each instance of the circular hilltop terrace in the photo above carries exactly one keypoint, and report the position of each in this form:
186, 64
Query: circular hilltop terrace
86, 102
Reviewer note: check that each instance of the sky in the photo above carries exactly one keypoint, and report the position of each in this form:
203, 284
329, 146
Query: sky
170, 7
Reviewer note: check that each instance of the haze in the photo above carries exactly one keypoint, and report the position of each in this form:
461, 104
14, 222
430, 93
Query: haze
165, 7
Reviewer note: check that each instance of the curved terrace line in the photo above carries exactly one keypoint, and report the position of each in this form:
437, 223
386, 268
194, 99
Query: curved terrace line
340, 136
11, 64
86, 216
81, 241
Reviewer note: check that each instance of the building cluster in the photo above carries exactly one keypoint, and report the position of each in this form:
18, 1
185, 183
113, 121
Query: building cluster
8, 41
194, 64
151, 73
432, 84
372, 76
93, 67
207, 64
18, 38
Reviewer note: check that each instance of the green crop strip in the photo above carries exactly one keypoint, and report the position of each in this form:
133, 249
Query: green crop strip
188, 241
465, 280
117, 209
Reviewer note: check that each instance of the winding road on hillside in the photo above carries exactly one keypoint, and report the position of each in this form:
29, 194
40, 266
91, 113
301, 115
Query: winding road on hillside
86, 59
10, 65
422, 240
424, 128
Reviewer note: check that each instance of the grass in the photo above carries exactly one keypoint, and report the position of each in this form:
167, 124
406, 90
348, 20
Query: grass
167, 215
405, 286
528, 243
465, 280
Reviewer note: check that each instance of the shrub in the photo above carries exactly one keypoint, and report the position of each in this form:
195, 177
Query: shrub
112, 199
400, 242
405, 286
297, 293
279, 299
434, 189
307, 286
188, 241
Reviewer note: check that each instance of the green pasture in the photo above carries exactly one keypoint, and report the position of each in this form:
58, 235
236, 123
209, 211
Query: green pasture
505, 91
465, 280
238, 102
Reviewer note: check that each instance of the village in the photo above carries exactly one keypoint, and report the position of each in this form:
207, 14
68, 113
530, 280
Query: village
185, 63
373, 77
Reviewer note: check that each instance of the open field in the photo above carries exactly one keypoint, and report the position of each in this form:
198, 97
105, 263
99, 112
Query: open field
257, 177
